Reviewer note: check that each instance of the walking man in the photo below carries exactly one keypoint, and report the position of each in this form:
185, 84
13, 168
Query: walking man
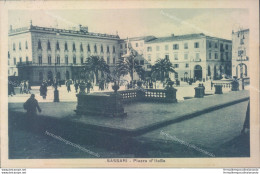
30, 106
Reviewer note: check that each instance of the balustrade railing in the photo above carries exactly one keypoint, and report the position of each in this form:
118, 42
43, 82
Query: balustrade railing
224, 84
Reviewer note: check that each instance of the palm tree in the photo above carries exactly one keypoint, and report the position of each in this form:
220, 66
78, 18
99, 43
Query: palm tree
94, 65
128, 65
162, 68
122, 68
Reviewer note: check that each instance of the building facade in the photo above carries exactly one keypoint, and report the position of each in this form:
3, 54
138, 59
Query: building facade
240, 53
194, 56
40, 53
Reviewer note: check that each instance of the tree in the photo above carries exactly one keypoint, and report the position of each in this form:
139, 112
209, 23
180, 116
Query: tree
94, 65
162, 68
129, 65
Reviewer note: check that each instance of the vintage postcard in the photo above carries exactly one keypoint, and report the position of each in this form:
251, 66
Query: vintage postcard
129, 84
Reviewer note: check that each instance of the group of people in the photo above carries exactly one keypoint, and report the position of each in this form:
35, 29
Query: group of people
25, 87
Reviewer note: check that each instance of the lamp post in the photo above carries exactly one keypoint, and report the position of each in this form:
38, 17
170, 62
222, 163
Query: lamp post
56, 92
240, 33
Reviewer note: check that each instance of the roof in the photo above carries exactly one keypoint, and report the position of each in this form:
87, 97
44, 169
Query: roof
177, 38
183, 37
62, 31
245, 30
145, 38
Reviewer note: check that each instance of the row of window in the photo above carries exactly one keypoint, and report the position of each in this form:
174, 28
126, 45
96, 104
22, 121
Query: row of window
215, 45
176, 56
57, 60
20, 46
57, 47
174, 47
176, 65
20, 60
216, 55
186, 46
186, 56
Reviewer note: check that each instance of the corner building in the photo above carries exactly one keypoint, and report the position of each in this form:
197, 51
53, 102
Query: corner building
194, 56
40, 53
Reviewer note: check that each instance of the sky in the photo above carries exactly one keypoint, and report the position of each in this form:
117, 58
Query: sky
138, 22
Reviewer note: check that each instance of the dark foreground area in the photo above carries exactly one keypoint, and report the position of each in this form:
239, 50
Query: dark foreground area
216, 132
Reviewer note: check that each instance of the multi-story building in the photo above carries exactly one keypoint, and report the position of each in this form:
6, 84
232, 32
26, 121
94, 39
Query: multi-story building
138, 44
240, 53
193, 55
38, 53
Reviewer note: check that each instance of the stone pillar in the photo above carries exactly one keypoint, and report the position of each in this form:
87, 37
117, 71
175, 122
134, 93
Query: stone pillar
116, 108
199, 91
235, 85
170, 93
218, 89
82, 88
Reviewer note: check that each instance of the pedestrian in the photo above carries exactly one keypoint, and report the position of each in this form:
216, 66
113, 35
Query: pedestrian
25, 87
28, 86
76, 85
31, 106
21, 87
43, 90
68, 85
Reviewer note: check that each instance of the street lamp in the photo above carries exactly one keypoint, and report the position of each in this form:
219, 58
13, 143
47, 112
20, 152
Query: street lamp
56, 92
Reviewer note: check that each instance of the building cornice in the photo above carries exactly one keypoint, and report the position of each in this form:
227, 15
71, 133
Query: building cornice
62, 32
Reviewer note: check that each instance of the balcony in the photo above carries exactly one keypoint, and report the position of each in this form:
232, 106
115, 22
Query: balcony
197, 60
243, 59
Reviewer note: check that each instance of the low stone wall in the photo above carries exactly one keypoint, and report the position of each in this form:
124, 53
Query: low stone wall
100, 104
148, 95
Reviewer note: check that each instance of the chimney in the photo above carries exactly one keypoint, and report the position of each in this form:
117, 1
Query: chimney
11, 27
172, 34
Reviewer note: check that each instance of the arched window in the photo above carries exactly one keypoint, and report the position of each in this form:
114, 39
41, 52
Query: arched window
49, 59
40, 59
107, 49
88, 48
40, 76
74, 47
114, 60
81, 60
209, 71
39, 45
67, 75
114, 49
57, 46
66, 60
58, 75
26, 45
20, 46
66, 46
101, 49
74, 59
58, 59
95, 48
81, 47
48, 45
